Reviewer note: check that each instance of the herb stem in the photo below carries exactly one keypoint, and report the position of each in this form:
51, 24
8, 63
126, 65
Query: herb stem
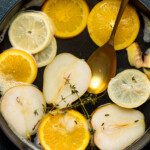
74, 91
60, 101
83, 107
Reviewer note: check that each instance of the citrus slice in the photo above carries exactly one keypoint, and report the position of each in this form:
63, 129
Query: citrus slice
101, 21
68, 16
129, 89
30, 31
16, 66
64, 130
47, 55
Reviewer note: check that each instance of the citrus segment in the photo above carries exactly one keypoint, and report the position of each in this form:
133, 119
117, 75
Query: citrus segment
30, 31
17, 65
129, 89
101, 21
47, 55
68, 16
64, 130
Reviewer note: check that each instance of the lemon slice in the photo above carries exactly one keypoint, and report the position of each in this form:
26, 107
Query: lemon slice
47, 55
129, 89
30, 31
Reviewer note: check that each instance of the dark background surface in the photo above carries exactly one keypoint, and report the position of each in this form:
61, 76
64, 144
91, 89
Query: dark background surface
6, 5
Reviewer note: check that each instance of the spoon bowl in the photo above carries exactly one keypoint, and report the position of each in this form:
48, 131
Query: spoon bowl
103, 66
103, 60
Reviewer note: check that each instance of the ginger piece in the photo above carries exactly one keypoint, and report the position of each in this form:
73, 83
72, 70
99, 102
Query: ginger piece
146, 61
135, 58
135, 55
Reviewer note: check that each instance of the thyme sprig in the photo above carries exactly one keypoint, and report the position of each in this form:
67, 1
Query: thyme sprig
75, 91
44, 108
85, 99
62, 99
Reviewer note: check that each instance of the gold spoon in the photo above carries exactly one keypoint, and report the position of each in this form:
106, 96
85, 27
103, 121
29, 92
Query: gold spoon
103, 60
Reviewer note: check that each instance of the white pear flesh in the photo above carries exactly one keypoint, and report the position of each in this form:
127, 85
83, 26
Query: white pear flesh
65, 66
18, 108
116, 127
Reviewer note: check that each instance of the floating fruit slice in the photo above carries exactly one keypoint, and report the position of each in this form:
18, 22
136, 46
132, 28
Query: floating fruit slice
101, 21
146, 36
22, 107
146, 61
147, 72
30, 31
16, 66
47, 55
135, 55
69, 16
129, 89
68, 126
116, 127
65, 80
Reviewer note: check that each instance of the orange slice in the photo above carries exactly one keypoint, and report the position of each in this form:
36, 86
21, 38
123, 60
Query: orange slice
68, 16
101, 21
64, 130
17, 65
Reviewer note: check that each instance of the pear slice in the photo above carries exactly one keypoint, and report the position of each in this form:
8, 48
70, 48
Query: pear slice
116, 127
65, 67
23, 108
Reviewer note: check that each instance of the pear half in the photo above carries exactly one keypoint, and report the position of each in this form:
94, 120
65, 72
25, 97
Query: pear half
23, 108
65, 67
116, 127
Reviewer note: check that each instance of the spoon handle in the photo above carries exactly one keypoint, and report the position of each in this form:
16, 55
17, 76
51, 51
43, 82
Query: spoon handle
120, 13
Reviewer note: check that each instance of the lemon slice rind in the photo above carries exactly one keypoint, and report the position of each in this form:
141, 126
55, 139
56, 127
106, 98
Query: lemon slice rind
31, 31
129, 89
46, 56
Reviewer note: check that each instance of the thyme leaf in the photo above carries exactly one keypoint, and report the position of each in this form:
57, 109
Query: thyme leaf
106, 115
136, 121
67, 81
92, 131
18, 100
64, 111
36, 112
44, 108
